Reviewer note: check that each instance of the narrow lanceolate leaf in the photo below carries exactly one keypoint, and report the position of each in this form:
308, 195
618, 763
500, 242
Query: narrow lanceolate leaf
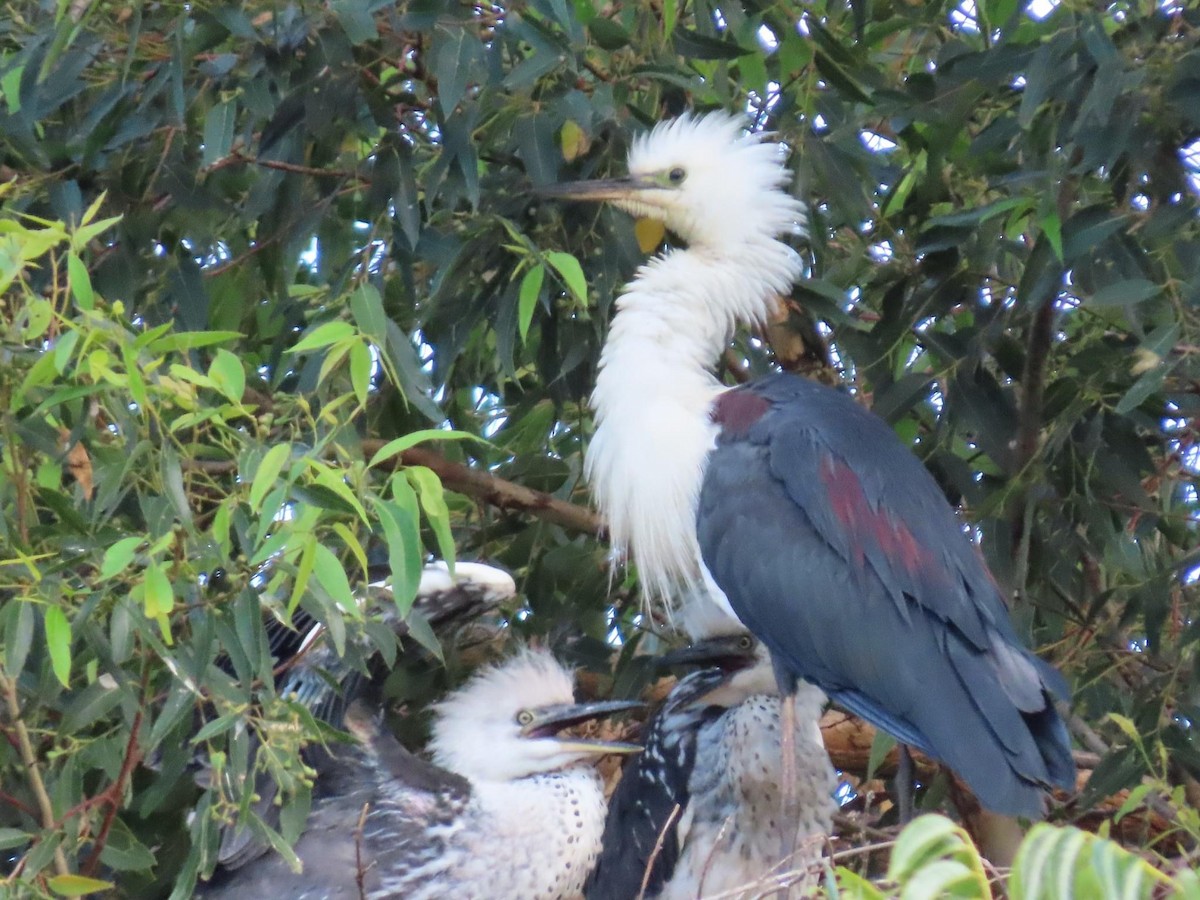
158, 599
361, 367
410, 440
433, 501
58, 644
531, 289
80, 282
268, 471
77, 885
18, 617
367, 307
1124, 293
400, 519
323, 336
571, 273
228, 375
218, 132
332, 577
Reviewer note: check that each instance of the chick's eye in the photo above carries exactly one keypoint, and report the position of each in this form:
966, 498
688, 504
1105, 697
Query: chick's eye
524, 717
676, 175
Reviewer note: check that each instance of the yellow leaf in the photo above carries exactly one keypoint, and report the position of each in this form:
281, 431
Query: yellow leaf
77, 885
574, 142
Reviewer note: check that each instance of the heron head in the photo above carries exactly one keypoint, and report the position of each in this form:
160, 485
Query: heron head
705, 179
742, 661
506, 722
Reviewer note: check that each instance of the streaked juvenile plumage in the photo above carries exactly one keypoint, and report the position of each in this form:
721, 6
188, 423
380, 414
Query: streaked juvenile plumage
713, 751
517, 811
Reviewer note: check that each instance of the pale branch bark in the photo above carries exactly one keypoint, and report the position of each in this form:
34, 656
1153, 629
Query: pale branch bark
498, 492
481, 485
8, 686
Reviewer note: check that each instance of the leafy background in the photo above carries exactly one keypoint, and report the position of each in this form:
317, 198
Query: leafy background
244, 246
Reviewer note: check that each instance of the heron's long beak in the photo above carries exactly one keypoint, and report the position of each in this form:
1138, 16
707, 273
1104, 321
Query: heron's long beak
550, 720
731, 653
602, 189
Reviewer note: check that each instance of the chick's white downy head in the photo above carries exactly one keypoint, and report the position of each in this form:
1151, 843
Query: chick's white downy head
503, 723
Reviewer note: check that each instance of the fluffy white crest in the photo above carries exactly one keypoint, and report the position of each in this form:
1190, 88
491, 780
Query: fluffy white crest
476, 733
723, 191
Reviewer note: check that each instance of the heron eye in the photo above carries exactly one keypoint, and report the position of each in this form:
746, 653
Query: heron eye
676, 175
524, 717
745, 642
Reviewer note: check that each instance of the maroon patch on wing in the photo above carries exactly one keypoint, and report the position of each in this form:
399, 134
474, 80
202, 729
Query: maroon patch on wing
864, 524
737, 410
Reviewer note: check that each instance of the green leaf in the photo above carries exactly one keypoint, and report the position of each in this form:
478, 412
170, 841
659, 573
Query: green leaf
124, 852
13, 837
357, 20
1124, 293
433, 501
78, 885
218, 132
691, 44
400, 519
398, 445
607, 34
228, 375
453, 63
119, 556
881, 746
367, 308
159, 599
1051, 226
80, 282
1126, 725
10, 88
335, 481
571, 273
361, 367
531, 289
332, 577
268, 471
928, 839
1055, 862
58, 643
86, 233
323, 336
18, 632
941, 879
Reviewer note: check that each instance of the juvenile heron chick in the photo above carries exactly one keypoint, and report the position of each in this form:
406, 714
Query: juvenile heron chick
512, 808
698, 813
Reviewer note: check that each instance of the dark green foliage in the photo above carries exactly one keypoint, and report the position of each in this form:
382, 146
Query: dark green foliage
324, 231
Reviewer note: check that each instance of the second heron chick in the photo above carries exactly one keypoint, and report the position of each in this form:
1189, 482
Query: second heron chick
699, 813
513, 807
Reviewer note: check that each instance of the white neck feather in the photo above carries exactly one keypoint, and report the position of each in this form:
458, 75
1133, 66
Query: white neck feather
653, 393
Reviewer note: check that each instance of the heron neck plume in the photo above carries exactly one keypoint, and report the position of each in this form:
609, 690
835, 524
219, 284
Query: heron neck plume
656, 384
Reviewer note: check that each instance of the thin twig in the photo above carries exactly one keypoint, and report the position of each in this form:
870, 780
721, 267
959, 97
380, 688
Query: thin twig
360, 872
9, 688
113, 794
658, 848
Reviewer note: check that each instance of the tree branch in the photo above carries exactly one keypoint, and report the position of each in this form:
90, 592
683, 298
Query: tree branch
8, 687
502, 494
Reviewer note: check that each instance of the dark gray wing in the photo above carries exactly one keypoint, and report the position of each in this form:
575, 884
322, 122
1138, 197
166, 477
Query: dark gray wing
651, 797
835, 547
409, 803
